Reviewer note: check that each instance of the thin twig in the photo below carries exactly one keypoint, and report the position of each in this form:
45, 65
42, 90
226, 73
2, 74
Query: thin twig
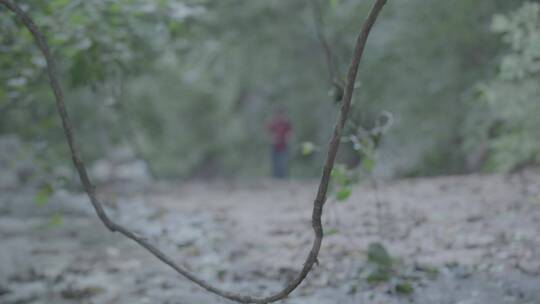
321, 193
328, 56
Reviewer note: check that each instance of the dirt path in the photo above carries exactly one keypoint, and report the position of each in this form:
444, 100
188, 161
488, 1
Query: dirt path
473, 239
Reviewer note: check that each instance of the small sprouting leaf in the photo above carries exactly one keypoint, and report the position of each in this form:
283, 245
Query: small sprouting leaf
379, 275
404, 288
307, 148
343, 194
368, 164
221, 274
331, 231
378, 255
56, 220
430, 271
340, 175
43, 195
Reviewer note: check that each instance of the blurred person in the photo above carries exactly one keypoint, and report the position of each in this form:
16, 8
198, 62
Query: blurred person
279, 127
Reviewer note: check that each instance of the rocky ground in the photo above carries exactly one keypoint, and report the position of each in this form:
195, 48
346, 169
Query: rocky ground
463, 239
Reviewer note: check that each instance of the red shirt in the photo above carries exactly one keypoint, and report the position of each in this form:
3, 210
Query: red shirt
279, 128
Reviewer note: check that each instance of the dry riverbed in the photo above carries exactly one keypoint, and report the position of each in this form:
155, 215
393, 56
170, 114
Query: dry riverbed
463, 239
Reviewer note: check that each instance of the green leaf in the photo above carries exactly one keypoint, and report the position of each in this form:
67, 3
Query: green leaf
368, 164
378, 255
56, 220
404, 288
331, 232
43, 195
430, 271
343, 194
379, 275
307, 148
340, 175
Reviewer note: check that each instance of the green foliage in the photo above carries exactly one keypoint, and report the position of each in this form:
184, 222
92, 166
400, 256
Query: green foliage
507, 118
431, 272
44, 194
521, 31
368, 164
56, 221
378, 255
342, 181
427, 55
190, 83
198, 62
384, 269
405, 288
343, 194
98, 46
364, 144
379, 275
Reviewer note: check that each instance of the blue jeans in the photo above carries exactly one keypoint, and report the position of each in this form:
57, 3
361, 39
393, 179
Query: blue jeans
279, 163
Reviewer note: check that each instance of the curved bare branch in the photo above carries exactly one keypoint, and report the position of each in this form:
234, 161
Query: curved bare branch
328, 56
317, 204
